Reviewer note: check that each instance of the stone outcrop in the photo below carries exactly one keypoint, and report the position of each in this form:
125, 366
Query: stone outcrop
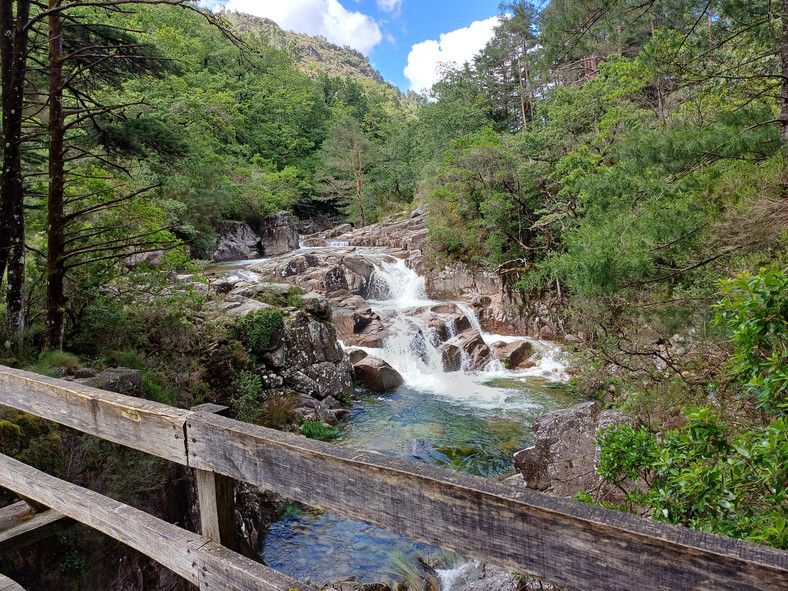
500, 310
279, 234
304, 357
336, 273
237, 242
564, 457
360, 328
512, 355
375, 374
122, 380
400, 231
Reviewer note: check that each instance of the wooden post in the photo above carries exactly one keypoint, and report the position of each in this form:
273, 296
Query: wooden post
215, 497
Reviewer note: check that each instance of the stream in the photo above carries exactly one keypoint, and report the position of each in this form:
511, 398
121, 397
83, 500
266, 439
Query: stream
467, 421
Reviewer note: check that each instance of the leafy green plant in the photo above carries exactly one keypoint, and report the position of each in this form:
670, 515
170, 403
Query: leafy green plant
707, 477
246, 398
258, 328
317, 430
755, 308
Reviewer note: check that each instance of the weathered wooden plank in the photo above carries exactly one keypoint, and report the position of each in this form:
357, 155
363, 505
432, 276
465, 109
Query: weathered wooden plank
217, 508
7, 584
148, 426
21, 525
563, 541
196, 558
215, 496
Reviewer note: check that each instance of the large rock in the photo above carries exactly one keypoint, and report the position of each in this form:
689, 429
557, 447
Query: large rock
279, 234
375, 374
564, 457
122, 380
451, 357
332, 272
237, 242
512, 355
360, 329
474, 348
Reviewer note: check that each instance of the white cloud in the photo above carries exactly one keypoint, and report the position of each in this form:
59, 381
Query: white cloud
317, 17
456, 47
393, 6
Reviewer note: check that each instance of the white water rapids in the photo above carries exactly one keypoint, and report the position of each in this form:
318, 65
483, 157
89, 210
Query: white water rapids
470, 421
395, 291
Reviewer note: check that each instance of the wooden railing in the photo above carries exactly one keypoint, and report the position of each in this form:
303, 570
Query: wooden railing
559, 540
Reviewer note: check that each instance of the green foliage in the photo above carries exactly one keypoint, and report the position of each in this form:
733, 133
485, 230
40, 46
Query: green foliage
707, 477
49, 362
246, 396
317, 430
259, 327
73, 563
626, 453
755, 309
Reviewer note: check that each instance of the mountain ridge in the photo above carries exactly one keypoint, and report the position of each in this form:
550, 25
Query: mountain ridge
312, 55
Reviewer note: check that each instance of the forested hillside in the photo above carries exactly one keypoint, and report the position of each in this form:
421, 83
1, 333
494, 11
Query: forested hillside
628, 158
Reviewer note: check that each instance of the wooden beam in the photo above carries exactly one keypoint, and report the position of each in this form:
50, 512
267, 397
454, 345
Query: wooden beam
21, 525
7, 584
216, 497
198, 559
140, 424
565, 542
217, 507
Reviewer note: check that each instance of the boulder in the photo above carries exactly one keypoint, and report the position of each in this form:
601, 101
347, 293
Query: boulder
356, 355
360, 329
152, 259
237, 242
564, 457
476, 350
451, 357
122, 380
375, 374
512, 355
279, 234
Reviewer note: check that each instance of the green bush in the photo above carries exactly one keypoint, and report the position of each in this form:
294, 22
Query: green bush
246, 397
257, 328
755, 308
707, 477
317, 430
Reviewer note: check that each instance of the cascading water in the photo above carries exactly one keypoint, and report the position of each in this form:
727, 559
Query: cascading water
468, 421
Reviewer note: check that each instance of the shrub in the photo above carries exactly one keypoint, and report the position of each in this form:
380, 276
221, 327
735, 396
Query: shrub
706, 477
257, 328
245, 399
755, 308
317, 430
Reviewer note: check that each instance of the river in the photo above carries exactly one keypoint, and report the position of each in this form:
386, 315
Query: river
467, 421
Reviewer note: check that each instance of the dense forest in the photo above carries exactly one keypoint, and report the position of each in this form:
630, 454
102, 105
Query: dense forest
628, 157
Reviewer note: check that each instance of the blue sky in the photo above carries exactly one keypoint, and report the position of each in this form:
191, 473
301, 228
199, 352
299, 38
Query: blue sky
404, 39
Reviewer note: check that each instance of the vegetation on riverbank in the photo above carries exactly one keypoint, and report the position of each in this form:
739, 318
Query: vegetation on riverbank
628, 159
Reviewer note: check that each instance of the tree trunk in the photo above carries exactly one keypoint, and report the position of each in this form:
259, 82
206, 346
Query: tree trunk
357, 174
784, 82
522, 91
55, 297
13, 55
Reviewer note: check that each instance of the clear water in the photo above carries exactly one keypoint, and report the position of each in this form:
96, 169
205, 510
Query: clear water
467, 421
465, 433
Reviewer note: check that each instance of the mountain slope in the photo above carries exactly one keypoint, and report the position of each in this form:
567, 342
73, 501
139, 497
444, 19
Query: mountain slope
313, 55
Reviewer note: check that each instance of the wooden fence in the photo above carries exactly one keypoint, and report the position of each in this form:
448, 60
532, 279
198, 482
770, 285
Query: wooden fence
562, 541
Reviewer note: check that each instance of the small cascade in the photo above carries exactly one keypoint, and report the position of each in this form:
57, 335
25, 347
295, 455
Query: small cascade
337, 243
470, 421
